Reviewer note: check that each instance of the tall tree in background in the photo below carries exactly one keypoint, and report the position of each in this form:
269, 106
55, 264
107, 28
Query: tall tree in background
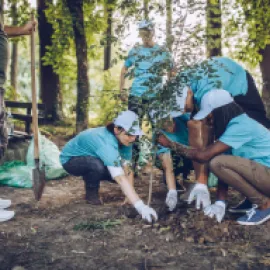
83, 89
146, 9
169, 36
253, 18
14, 52
213, 28
108, 11
49, 80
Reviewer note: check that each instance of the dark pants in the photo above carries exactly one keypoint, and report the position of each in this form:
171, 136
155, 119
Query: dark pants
252, 103
246, 176
141, 107
90, 168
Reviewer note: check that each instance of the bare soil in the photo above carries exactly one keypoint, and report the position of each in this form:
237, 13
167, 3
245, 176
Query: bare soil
42, 234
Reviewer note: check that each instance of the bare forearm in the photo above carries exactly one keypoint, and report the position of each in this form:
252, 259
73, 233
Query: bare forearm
15, 31
129, 173
192, 153
127, 188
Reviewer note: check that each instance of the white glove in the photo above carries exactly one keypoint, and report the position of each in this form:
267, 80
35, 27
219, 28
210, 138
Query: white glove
145, 211
171, 199
201, 194
216, 210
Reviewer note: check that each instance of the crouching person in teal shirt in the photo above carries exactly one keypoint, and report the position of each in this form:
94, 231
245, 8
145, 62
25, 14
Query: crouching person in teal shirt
101, 154
246, 168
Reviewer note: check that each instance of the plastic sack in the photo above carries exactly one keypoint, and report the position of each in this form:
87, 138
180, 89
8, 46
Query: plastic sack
16, 174
48, 158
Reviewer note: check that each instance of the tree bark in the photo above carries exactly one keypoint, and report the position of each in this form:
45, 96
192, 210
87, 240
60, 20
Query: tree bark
265, 70
83, 89
213, 28
146, 9
108, 43
14, 54
49, 80
169, 36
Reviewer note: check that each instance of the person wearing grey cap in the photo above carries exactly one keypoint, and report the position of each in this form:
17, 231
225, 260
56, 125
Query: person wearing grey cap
246, 164
102, 153
225, 73
147, 65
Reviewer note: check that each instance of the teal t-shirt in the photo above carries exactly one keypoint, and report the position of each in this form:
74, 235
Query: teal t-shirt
99, 143
148, 67
248, 139
215, 73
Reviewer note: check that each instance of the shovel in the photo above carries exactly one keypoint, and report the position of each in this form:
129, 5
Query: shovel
38, 175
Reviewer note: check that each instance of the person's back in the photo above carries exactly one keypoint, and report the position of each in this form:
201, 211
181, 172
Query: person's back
248, 139
218, 72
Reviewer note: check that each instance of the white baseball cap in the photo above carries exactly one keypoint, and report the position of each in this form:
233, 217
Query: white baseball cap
129, 121
213, 99
149, 25
180, 103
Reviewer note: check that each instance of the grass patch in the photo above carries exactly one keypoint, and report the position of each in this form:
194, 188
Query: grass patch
97, 225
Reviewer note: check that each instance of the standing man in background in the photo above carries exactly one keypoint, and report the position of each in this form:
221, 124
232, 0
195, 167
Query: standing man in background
147, 64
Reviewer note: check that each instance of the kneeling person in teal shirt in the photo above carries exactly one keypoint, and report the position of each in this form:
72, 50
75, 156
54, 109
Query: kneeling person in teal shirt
247, 168
101, 154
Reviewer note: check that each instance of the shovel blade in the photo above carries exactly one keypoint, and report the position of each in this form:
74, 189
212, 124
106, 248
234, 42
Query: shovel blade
38, 182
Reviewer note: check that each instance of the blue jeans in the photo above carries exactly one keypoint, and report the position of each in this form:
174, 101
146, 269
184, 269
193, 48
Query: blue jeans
91, 169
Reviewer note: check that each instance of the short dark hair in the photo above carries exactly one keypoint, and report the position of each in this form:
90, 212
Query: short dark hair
110, 127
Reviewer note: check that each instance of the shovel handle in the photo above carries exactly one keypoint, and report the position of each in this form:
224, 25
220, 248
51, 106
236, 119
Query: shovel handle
34, 93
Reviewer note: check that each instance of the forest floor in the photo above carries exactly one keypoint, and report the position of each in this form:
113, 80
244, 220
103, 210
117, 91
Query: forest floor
63, 232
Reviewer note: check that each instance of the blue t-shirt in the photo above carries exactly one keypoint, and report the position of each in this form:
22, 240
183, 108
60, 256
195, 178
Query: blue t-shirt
148, 67
180, 135
248, 139
99, 143
216, 73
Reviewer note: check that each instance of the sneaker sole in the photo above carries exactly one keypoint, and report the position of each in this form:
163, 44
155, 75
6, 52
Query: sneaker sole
7, 218
242, 211
253, 223
5, 205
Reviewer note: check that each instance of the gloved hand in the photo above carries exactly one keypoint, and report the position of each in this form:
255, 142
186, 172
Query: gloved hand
217, 209
171, 199
201, 194
145, 211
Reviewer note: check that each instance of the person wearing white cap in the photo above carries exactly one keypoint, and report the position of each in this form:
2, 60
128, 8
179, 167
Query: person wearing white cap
225, 73
246, 168
150, 62
101, 153
147, 65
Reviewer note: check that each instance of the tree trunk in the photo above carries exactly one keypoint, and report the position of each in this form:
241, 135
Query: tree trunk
264, 66
146, 9
2, 13
14, 54
169, 36
213, 28
49, 80
83, 89
108, 44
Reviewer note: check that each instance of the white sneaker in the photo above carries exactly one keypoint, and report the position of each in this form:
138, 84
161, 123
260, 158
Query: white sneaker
6, 215
4, 203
